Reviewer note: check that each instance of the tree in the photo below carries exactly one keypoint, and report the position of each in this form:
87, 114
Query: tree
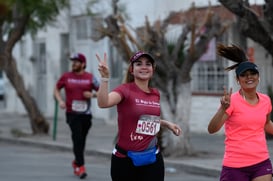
16, 18
173, 62
252, 25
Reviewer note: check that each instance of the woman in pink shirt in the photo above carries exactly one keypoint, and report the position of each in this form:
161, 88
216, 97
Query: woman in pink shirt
246, 116
136, 156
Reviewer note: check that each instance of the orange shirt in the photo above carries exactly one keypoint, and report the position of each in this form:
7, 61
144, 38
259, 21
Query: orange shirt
245, 142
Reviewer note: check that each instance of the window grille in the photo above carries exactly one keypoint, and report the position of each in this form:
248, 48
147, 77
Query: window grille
87, 27
209, 77
81, 26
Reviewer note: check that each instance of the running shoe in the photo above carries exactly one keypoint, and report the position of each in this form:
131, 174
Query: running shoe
80, 171
74, 166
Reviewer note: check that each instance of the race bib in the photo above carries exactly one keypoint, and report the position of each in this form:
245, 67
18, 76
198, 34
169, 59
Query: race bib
148, 125
79, 106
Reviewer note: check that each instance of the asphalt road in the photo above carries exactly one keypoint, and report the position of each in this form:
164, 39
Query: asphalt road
24, 163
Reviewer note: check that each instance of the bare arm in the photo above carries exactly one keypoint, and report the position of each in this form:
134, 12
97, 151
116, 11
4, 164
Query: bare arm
88, 94
220, 116
171, 126
57, 94
268, 125
217, 121
104, 98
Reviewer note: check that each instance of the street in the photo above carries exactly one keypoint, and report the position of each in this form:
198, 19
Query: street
19, 162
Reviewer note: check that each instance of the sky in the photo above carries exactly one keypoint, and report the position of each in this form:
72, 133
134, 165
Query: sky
152, 7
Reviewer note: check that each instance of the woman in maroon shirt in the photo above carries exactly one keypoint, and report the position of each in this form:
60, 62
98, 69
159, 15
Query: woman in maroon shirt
136, 156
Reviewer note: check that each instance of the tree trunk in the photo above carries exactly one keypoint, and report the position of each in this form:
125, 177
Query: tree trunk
173, 145
39, 125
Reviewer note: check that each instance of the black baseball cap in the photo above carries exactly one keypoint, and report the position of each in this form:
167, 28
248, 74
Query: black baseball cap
244, 66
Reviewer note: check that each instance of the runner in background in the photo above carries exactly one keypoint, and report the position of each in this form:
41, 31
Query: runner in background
136, 156
78, 86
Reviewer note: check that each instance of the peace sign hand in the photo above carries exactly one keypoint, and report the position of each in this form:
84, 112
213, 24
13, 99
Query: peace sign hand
225, 100
103, 67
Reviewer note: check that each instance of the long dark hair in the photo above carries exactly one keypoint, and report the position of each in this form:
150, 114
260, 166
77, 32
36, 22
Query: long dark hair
233, 53
129, 77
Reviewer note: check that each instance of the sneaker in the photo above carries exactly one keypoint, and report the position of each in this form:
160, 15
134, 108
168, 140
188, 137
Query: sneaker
74, 166
80, 171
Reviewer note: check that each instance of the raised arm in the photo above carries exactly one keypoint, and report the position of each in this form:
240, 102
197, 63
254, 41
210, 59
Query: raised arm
104, 98
220, 116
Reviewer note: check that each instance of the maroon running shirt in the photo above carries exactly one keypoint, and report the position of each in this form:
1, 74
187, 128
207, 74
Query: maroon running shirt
75, 85
135, 104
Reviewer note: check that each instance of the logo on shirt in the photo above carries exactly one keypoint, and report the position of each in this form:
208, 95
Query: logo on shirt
135, 137
78, 81
141, 102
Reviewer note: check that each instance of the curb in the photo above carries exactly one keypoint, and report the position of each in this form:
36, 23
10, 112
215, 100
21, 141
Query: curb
193, 168
171, 166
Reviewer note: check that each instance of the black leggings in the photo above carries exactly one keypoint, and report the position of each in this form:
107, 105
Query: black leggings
122, 169
79, 125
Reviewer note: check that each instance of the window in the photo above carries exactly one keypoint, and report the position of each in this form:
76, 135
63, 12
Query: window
208, 74
87, 27
209, 77
115, 62
64, 52
41, 74
81, 27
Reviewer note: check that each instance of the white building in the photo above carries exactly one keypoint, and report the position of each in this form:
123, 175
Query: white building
43, 59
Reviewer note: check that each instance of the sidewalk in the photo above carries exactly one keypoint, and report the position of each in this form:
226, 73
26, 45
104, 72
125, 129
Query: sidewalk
208, 149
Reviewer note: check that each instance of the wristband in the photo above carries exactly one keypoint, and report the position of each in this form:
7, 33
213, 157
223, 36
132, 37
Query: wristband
104, 79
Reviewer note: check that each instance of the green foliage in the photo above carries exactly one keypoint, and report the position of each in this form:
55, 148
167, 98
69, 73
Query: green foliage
181, 57
38, 12
171, 47
122, 10
90, 4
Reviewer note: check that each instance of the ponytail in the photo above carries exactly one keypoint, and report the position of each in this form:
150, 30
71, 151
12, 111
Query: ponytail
233, 53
